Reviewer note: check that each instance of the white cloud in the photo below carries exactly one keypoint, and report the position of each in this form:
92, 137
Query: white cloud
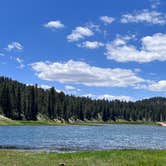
79, 33
109, 97
152, 17
69, 87
14, 46
72, 89
159, 86
77, 72
20, 61
107, 20
54, 24
45, 87
152, 48
93, 27
91, 44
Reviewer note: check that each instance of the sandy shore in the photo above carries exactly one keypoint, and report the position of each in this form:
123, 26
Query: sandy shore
162, 123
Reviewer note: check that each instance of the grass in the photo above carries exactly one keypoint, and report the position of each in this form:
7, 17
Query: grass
6, 121
51, 123
98, 158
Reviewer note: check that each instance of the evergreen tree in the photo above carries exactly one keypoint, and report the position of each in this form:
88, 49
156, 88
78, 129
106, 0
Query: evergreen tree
19, 101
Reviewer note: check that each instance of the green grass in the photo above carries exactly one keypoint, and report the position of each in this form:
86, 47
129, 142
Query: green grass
6, 121
100, 158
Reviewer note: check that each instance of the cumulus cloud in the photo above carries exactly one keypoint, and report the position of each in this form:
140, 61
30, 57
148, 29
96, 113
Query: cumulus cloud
77, 72
91, 44
14, 46
79, 33
107, 19
109, 97
54, 24
152, 48
158, 86
151, 17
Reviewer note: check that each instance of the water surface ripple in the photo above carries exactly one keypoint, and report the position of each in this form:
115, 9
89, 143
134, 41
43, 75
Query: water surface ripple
83, 138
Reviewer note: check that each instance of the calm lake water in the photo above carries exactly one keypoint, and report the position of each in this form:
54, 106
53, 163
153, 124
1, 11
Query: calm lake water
80, 138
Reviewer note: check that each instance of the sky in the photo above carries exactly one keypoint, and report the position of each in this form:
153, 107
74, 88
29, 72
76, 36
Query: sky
99, 48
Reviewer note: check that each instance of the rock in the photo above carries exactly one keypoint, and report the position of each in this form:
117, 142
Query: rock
62, 164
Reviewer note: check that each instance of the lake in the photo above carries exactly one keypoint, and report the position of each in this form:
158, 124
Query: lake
83, 138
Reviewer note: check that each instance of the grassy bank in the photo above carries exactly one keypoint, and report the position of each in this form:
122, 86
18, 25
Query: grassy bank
52, 123
6, 121
100, 158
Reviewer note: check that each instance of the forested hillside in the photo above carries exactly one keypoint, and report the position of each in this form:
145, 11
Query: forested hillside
22, 102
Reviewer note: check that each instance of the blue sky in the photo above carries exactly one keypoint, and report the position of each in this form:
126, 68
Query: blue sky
103, 49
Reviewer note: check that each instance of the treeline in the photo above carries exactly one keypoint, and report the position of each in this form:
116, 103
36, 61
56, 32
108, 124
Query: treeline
22, 102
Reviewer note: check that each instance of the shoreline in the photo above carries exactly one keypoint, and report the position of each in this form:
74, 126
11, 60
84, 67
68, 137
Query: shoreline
89, 123
4, 121
83, 123
29, 150
162, 124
